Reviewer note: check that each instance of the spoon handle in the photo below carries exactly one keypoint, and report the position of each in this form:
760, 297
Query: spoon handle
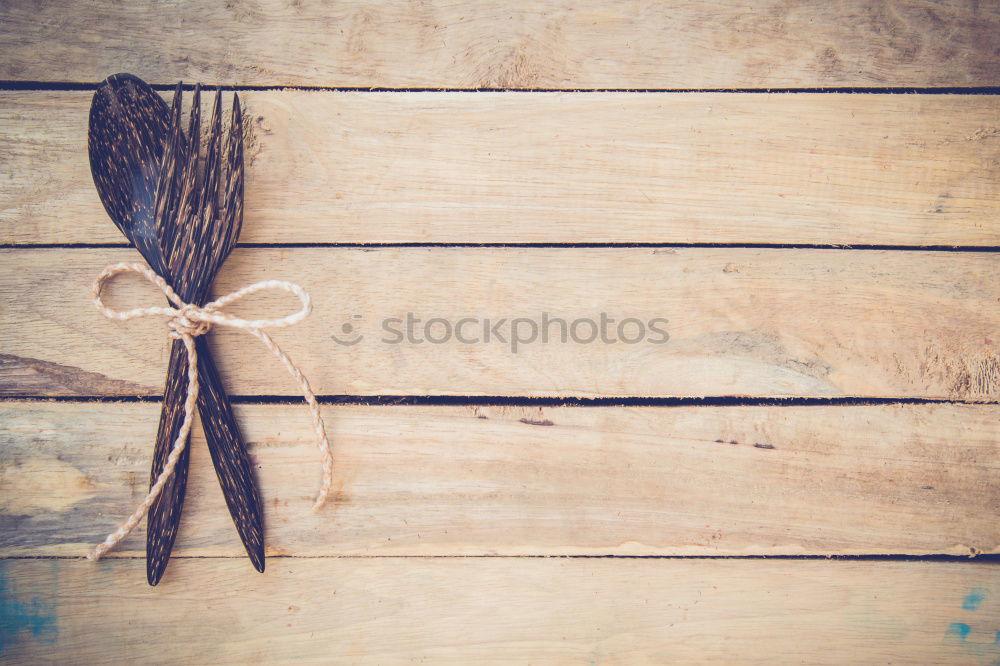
229, 454
165, 514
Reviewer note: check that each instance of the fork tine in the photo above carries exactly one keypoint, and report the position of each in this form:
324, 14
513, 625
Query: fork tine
211, 189
193, 192
194, 124
188, 213
171, 169
234, 176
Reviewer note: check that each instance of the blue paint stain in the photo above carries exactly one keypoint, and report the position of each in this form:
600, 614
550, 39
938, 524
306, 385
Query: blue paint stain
35, 615
974, 598
959, 629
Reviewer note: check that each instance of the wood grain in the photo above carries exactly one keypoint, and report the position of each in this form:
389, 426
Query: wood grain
890, 479
518, 44
504, 611
557, 168
759, 322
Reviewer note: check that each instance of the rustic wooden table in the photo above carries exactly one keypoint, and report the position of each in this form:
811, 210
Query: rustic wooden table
826, 262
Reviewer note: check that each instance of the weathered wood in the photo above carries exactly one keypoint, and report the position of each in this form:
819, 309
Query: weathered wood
761, 322
358, 167
912, 479
503, 611
518, 44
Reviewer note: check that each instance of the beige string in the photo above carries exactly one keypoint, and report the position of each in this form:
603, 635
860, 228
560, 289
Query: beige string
186, 322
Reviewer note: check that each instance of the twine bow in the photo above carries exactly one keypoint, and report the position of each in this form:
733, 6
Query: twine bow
186, 322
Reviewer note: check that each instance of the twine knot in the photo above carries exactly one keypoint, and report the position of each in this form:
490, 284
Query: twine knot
187, 321
190, 321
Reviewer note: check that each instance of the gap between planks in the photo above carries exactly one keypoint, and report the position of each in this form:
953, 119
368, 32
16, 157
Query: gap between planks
544, 246
83, 86
979, 558
514, 401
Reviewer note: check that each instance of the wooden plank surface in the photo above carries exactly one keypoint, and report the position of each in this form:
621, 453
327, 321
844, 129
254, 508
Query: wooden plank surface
890, 479
518, 44
503, 611
555, 168
461, 534
759, 322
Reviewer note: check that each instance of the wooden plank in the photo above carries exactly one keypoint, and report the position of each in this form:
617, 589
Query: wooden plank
554, 168
503, 611
890, 479
758, 322
519, 44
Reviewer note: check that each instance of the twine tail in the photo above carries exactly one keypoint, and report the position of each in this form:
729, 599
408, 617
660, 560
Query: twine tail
322, 442
180, 444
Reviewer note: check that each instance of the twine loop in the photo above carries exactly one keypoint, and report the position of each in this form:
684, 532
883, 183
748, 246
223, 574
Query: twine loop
187, 321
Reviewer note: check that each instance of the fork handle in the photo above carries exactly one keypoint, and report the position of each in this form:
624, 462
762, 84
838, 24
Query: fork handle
229, 454
230, 457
